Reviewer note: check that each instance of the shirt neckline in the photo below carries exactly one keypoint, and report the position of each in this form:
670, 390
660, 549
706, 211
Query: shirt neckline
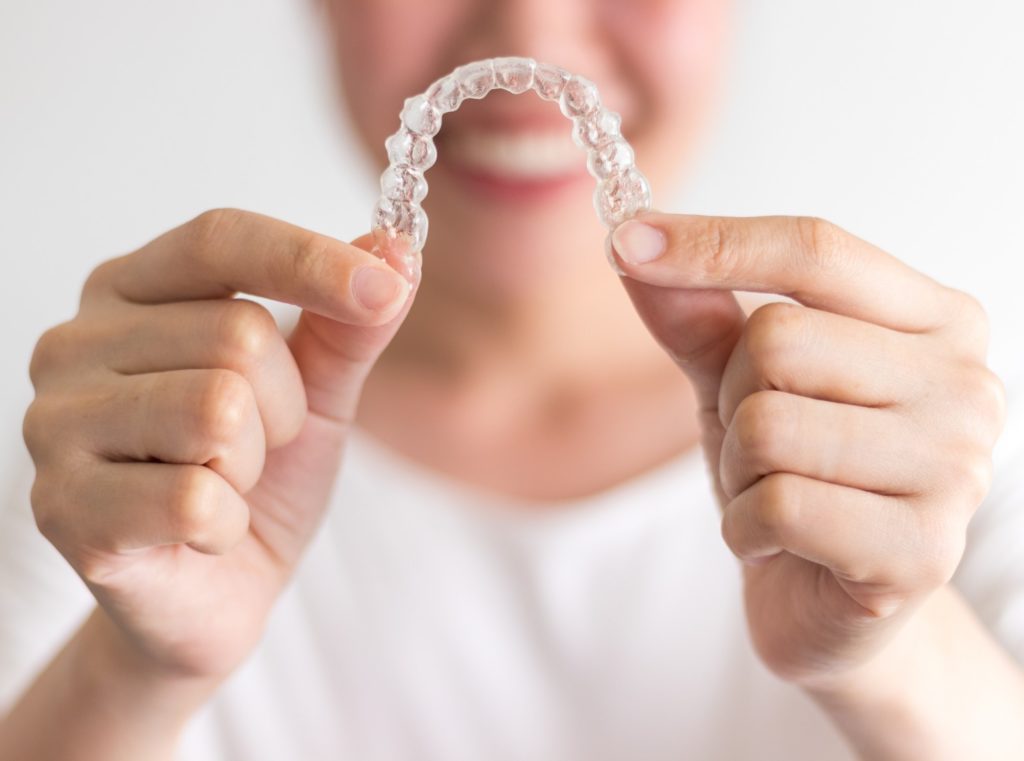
684, 470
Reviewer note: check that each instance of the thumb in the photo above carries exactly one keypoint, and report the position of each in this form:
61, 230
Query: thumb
334, 358
698, 329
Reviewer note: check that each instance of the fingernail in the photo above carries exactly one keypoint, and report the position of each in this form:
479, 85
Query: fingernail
377, 289
399, 255
638, 243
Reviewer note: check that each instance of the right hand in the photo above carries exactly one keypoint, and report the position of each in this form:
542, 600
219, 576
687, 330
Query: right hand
184, 449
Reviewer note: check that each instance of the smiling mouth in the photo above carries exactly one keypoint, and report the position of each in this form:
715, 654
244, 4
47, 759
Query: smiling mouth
524, 163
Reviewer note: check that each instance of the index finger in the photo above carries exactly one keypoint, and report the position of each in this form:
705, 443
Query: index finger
226, 251
804, 258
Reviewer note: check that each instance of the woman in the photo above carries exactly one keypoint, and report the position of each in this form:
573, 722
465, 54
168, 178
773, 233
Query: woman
519, 559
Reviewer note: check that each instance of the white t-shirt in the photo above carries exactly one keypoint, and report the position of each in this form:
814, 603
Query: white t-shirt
432, 621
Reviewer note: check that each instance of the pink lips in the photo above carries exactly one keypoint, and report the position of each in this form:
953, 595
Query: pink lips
511, 189
524, 164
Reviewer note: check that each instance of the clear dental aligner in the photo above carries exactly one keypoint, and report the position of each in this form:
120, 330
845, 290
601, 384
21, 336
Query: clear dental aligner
622, 191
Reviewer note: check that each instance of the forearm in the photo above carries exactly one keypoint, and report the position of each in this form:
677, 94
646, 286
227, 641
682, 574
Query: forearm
97, 700
944, 689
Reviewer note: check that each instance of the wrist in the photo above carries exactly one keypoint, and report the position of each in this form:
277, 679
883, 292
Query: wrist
107, 670
940, 689
882, 705
884, 675
107, 701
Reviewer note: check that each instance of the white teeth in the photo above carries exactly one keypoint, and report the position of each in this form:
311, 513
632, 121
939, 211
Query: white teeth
522, 155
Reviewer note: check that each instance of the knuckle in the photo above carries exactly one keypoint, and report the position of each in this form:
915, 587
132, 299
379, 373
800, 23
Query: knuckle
207, 231
977, 398
223, 404
971, 320
100, 279
778, 503
772, 331
51, 347
971, 309
36, 428
711, 244
760, 426
44, 506
730, 531
821, 239
311, 261
986, 395
944, 548
973, 478
245, 333
193, 502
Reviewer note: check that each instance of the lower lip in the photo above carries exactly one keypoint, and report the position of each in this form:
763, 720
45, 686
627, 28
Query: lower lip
512, 189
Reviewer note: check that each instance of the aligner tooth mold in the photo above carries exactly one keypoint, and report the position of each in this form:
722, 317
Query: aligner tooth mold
622, 190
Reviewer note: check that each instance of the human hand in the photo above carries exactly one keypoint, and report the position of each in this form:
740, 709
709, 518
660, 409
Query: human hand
184, 449
849, 435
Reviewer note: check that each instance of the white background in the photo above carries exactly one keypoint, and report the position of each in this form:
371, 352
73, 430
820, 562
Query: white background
901, 121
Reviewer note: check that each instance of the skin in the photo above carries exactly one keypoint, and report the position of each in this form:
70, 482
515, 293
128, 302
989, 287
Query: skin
198, 445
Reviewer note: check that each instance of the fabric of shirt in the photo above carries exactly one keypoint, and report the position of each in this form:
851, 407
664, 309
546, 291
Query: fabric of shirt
434, 621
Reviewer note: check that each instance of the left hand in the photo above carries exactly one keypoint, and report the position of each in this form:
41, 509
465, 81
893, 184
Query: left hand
850, 435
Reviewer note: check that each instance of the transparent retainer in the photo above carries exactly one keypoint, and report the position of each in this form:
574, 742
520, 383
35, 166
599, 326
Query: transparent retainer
622, 191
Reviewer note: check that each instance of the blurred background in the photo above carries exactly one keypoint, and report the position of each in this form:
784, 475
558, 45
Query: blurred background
902, 122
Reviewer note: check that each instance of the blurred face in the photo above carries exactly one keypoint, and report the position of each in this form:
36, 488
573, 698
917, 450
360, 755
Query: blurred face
510, 197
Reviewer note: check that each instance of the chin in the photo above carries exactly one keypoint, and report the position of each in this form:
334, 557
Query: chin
509, 248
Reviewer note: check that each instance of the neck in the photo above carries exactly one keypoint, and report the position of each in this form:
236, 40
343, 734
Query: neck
553, 392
